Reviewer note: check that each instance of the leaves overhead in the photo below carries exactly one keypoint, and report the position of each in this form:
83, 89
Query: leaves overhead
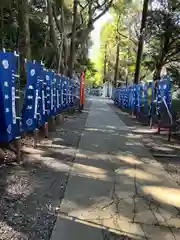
46, 31
161, 39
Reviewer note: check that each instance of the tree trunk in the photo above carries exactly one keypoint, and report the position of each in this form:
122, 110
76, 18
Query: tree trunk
105, 64
141, 41
60, 26
72, 56
23, 35
2, 26
157, 73
108, 81
117, 64
127, 65
24, 30
160, 62
65, 45
53, 32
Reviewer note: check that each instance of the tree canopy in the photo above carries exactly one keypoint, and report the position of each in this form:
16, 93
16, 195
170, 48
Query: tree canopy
57, 32
159, 36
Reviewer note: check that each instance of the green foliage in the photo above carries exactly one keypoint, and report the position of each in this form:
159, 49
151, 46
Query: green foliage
90, 72
162, 42
162, 36
121, 29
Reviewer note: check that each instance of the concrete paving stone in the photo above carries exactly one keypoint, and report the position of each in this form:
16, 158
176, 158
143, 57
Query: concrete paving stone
144, 214
154, 232
164, 195
169, 215
74, 229
124, 179
111, 168
176, 233
92, 172
124, 192
130, 229
158, 174
125, 208
174, 222
86, 196
146, 217
167, 233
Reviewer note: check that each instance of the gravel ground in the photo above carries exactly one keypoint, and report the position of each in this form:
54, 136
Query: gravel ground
155, 143
30, 193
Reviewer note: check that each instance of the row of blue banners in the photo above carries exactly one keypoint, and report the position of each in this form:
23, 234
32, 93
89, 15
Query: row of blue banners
141, 97
46, 94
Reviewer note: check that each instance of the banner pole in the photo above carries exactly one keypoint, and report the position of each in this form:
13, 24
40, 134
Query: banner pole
18, 117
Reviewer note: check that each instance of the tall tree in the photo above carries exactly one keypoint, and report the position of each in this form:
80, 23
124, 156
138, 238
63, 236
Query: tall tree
117, 62
141, 41
105, 64
53, 32
73, 35
162, 36
24, 29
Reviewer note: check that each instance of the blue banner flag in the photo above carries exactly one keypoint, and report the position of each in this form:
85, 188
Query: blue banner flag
151, 105
29, 120
41, 97
58, 95
68, 92
64, 93
130, 97
163, 94
48, 93
8, 124
139, 100
134, 96
71, 91
145, 98
54, 86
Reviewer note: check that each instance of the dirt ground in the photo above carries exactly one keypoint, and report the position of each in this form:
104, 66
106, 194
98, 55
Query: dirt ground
30, 193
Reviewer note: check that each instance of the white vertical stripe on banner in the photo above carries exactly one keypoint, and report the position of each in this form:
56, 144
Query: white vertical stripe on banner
13, 105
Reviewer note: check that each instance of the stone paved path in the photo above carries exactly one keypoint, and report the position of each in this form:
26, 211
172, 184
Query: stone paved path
116, 187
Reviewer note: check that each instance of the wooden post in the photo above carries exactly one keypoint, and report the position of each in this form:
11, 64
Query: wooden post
62, 117
36, 134
18, 149
58, 119
53, 121
150, 122
46, 130
169, 134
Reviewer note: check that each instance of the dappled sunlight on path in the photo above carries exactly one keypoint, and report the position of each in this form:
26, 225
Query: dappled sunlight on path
115, 187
